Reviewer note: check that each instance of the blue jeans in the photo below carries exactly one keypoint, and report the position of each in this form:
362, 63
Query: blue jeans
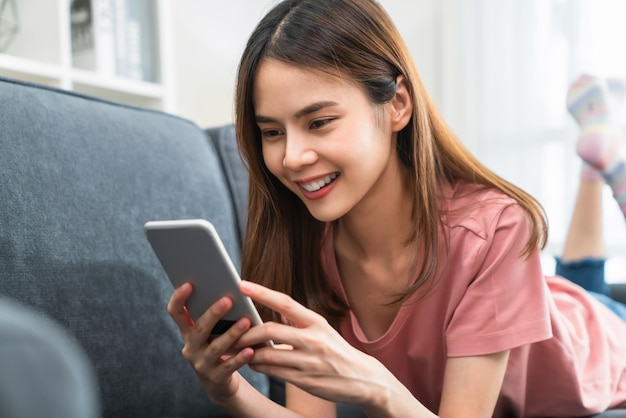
589, 274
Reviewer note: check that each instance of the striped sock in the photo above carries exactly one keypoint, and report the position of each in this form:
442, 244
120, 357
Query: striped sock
590, 103
617, 177
617, 88
589, 173
617, 180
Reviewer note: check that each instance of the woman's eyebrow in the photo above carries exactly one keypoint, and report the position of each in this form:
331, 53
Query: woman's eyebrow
264, 119
312, 108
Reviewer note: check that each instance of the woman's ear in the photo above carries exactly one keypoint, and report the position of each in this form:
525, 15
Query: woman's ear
401, 105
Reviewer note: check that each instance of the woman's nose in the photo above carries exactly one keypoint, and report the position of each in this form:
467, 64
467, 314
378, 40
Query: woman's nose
299, 153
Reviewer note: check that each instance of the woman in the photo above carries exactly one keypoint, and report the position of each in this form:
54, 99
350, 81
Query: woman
402, 275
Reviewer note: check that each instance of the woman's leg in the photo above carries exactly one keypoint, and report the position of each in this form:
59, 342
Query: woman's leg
585, 235
582, 260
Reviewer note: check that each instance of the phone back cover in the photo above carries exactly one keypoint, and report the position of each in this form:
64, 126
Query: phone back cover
194, 254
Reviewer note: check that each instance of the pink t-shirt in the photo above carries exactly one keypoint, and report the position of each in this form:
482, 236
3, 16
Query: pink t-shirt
568, 351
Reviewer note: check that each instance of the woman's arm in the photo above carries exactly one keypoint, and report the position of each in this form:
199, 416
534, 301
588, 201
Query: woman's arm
308, 405
471, 385
250, 403
323, 364
470, 390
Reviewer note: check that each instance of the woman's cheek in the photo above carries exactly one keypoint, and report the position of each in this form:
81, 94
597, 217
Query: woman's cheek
273, 156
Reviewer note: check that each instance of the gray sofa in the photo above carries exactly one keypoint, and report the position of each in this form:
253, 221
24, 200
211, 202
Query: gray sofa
79, 177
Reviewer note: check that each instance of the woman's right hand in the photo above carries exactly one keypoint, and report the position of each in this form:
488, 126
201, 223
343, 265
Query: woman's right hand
215, 362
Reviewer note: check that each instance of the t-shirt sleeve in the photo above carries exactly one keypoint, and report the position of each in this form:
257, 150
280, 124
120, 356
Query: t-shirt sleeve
505, 305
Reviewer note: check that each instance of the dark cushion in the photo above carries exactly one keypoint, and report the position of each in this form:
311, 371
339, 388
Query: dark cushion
78, 179
45, 373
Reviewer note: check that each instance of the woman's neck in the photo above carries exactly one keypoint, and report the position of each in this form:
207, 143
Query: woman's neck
381, 225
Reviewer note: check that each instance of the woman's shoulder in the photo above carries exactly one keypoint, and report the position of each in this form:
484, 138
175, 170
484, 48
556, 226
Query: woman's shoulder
478, 208
462, 193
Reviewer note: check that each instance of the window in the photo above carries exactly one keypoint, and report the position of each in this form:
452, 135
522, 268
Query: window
509, 64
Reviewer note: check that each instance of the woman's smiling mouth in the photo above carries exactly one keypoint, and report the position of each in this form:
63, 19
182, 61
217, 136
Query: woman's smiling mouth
316, 185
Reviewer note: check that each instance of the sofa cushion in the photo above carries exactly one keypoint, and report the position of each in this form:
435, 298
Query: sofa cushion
78, 179
225, 142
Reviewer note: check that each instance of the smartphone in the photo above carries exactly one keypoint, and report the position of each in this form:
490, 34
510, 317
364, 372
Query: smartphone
190, 250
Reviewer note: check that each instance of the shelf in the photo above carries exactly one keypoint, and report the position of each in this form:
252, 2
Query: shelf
41, 51
30, 70
138, 93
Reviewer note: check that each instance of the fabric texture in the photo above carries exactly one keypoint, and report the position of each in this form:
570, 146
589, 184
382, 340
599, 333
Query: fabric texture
563, 342
78, 179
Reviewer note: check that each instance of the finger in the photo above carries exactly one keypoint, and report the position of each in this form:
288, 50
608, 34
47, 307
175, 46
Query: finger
177, 310
287, 374
220, 350
294, 359
226, 344
259, 335
304, 379
281, 303
234, 363
204, 325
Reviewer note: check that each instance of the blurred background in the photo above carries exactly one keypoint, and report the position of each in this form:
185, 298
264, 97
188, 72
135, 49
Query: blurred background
498, 70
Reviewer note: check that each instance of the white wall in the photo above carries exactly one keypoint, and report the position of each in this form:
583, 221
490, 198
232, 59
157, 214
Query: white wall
209, 37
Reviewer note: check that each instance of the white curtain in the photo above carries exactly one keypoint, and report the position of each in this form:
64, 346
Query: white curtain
505, 69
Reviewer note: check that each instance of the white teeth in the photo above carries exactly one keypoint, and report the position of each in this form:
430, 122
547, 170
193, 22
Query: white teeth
316, 185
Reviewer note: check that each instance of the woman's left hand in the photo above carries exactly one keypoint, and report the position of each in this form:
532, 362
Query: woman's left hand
319, 360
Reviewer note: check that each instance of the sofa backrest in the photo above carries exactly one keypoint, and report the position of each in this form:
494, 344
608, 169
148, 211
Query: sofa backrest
78, 179
225, 142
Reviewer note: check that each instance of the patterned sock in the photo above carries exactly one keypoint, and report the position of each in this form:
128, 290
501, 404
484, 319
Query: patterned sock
616, 178
591, 105
589, 173
617, 88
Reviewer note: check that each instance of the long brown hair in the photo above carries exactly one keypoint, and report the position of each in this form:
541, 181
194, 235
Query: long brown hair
355, 39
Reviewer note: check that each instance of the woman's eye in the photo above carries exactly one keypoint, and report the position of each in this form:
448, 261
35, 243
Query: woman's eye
270, 133
316, 124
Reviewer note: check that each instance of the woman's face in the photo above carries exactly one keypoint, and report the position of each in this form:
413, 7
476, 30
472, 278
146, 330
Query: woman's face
323, 139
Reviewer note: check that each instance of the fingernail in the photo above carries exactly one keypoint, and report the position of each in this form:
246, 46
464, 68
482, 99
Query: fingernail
222, 303
242, 324
247, 353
